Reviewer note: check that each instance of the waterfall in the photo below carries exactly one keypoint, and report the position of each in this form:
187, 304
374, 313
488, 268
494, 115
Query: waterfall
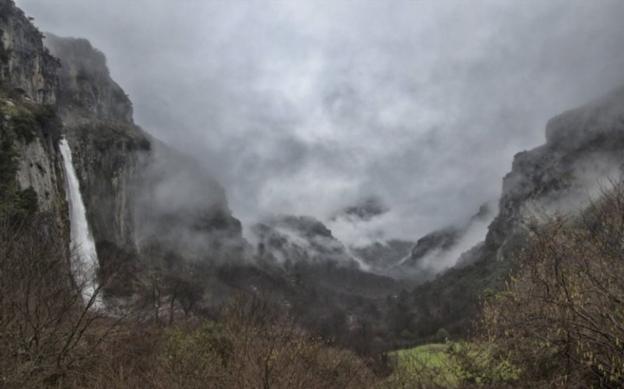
84, 261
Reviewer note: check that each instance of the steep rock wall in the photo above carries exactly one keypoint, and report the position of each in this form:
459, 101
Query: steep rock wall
126, 176
26, 67
584, 149
28, 85
137, 190
107, 147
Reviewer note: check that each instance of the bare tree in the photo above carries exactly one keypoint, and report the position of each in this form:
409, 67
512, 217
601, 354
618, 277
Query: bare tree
562, 317
46, 329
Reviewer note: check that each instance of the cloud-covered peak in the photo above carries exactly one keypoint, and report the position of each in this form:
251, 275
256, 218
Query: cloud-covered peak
306, 108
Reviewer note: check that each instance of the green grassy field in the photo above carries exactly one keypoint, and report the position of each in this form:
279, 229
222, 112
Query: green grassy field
448, 365
430, 363
433, 355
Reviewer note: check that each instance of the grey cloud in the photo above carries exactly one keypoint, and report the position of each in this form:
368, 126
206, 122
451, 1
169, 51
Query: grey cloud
307, 106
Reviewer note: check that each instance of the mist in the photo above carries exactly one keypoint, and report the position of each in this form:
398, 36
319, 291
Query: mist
308, 107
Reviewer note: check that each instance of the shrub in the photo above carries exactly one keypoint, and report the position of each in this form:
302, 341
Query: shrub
561, 317
47, 333
441, 335
255, 346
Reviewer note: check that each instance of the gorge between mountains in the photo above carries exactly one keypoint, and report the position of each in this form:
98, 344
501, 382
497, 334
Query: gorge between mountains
146, 229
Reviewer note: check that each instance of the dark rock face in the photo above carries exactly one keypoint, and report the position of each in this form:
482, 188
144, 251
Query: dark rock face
25, 66
136, 189
107, 147
584, 148
126, 176
28, 127
87, 88
438, 240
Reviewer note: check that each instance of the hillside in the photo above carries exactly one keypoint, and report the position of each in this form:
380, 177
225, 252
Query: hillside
583, 155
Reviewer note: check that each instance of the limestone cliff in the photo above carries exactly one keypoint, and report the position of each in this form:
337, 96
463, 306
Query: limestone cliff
30, 130
584, 149
26, 67
107, 146
135, 188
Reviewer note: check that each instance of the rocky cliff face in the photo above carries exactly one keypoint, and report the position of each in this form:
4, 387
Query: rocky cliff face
30, 128
584, 149
88, 91
40, 165
107, 147
26, 67
133, 186
137, 190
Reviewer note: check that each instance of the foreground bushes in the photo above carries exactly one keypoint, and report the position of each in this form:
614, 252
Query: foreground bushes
49, 337
561, 318
46, 331
240, 351
254, 347
559, 323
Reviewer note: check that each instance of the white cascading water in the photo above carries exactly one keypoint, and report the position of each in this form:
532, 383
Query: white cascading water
84, 260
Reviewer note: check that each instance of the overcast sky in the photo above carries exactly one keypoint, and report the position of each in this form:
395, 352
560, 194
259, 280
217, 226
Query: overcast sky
304, 106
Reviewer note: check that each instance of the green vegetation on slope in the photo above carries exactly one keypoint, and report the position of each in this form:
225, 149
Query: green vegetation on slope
429, 364
450, 365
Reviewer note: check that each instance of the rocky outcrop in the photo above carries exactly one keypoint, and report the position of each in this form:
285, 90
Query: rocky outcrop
584, 149
30, 130
29, 134
41, 169
133, 186
432, 243
107, 146
26, 68
137, 190
88, 92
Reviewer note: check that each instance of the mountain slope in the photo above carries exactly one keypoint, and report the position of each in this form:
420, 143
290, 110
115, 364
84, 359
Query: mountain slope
30, 162
135, 187
584, 149
131, 183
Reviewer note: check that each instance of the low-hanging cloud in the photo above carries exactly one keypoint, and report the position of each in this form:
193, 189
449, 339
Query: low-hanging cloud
305, 107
